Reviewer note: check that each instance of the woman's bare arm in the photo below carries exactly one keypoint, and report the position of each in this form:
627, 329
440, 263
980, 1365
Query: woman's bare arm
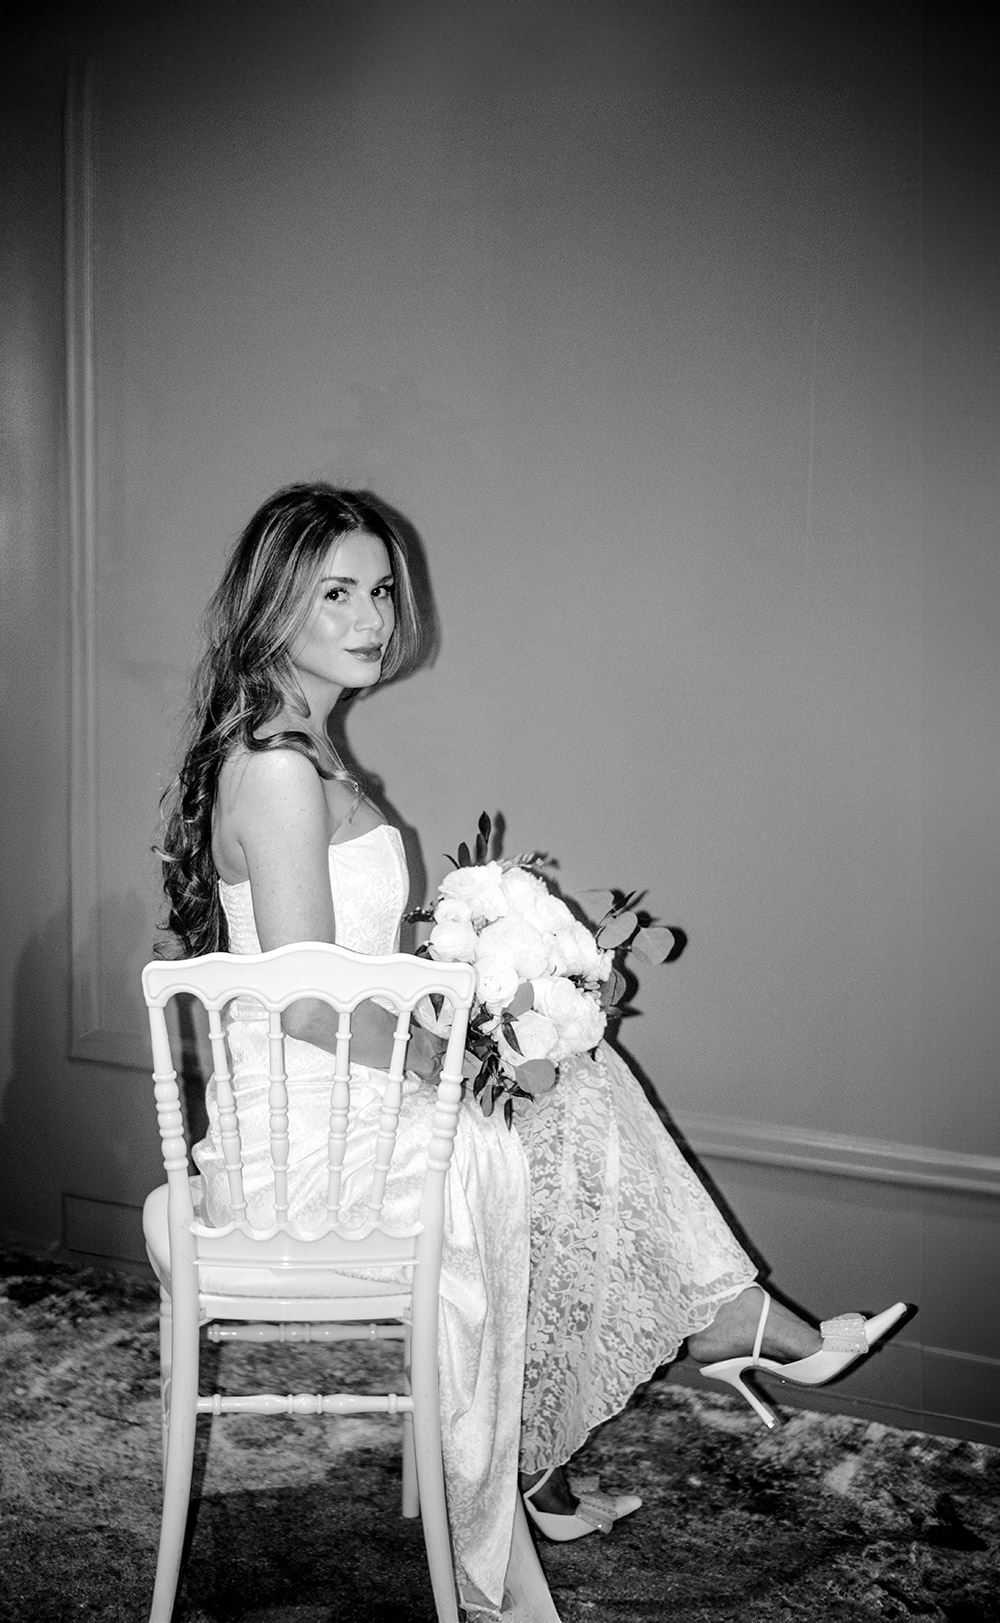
278, 814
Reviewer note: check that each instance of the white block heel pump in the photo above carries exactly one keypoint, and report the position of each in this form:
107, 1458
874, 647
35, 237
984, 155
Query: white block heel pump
845, 1340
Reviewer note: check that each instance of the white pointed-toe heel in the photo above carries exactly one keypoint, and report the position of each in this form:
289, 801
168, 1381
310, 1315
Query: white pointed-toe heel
595, 1513
845, 1340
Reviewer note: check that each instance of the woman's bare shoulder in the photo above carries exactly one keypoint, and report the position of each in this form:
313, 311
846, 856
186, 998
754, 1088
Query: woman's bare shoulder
249, 775
266, 798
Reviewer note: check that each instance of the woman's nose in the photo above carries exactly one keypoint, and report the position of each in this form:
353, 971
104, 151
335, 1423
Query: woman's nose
369, 616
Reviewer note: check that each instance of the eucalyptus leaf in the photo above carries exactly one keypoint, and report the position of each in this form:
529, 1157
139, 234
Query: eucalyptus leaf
653, 944
523, 999
536, 1076
508, 1111
487, 1100
599, 903
464, 859
619, 928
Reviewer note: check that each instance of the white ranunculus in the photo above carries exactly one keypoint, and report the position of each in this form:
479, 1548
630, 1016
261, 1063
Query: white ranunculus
517, 944
583, 1033
577, 1016
496, 981
452, 909
531, 899
575, 952
453, 941
480, 888
537, 1038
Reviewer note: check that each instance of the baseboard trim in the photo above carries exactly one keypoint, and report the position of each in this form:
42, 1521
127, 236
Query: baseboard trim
839, 1155
103, 1229
821, 1400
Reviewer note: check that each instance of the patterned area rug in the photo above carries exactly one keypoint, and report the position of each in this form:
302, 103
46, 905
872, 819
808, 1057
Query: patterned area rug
830, 1520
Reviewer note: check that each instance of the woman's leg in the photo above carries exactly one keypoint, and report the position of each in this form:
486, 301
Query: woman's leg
732, 1331
556, 1496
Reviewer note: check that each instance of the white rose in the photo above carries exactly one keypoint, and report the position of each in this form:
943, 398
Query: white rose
453, 941
531, 899
575, 952
496, 981
452, 909
517, 944
537, 1038
556, 997
480, 888
440, 1024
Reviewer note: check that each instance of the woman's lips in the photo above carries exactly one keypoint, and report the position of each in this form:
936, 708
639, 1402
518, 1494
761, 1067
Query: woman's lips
372, 652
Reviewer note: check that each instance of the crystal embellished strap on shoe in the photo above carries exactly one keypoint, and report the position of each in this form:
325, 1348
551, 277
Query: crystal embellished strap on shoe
600, 1509
845, 1334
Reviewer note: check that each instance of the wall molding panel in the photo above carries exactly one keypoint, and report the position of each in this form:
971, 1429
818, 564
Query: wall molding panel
840, 1155
89, 1038
82, 497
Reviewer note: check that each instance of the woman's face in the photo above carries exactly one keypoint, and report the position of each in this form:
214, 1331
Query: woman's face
350, 622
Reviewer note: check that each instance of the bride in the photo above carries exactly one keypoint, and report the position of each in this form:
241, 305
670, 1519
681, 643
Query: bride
269, 840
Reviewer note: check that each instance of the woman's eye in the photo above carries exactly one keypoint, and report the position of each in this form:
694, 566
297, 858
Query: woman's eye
383, 591
334, 594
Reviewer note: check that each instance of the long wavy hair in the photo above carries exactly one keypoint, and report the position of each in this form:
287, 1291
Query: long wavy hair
245, 677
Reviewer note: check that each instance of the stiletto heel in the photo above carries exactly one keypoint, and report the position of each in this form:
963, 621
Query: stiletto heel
845, 1340
595, 1513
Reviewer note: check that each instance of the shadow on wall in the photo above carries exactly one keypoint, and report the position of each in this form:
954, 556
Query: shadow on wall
690, 1156
70, 1127
29, 1124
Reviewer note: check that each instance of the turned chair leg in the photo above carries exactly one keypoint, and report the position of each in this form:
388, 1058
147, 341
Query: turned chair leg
181, 1397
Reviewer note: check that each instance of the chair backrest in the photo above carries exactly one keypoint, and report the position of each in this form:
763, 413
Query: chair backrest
274, 980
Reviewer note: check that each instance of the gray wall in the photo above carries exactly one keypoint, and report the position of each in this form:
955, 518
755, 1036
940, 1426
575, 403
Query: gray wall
671, 329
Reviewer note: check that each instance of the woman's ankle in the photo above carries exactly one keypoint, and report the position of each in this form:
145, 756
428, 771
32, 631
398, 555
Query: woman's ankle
553, 1495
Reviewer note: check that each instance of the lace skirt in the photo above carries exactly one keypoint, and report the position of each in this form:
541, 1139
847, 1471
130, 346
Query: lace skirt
629, 1253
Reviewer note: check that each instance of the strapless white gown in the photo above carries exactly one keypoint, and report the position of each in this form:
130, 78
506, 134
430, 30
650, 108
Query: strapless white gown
628, 1253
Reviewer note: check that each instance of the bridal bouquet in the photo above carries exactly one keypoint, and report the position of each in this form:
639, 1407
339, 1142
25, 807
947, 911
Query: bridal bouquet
546, 979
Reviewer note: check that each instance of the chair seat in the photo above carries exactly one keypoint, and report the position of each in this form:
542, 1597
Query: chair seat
229, 1275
